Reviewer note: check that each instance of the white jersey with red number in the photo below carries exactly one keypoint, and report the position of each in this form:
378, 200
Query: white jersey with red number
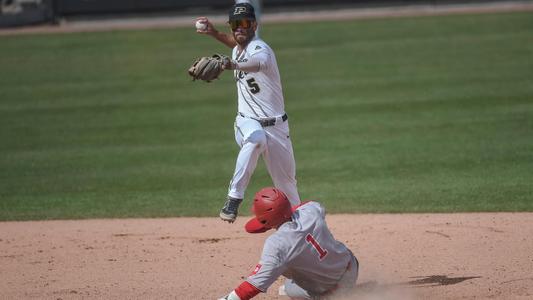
259, 94
305, 251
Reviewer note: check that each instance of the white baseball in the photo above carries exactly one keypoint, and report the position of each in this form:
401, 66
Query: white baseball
201, 26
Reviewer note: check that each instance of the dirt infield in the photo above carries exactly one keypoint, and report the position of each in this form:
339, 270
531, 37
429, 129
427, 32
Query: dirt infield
405, 256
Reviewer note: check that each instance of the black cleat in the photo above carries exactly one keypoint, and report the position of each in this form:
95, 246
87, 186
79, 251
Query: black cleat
230, 210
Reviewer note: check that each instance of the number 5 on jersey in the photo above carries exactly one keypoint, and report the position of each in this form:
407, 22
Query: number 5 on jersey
321, 252
254, 87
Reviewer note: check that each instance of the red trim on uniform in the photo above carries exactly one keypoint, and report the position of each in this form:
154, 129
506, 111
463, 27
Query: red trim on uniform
257, 268
246, 291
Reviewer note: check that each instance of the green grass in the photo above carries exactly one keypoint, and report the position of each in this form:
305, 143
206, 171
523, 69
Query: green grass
428, 114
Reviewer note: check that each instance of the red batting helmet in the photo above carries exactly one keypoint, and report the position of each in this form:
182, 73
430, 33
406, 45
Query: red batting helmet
271, 208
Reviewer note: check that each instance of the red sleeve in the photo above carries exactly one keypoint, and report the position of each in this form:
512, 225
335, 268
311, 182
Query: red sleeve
246, 291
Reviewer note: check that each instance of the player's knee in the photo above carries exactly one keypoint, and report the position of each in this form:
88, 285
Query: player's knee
258, 138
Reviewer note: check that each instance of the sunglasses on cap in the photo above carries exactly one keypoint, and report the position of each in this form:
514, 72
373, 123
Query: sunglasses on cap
243, 23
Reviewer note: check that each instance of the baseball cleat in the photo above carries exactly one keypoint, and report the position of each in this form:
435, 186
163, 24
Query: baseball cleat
230, 210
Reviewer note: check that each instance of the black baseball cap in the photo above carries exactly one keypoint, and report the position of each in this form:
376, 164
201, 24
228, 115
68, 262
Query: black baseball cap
241, 11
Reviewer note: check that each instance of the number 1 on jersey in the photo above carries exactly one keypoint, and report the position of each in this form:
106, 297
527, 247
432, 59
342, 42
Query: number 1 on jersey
321, 252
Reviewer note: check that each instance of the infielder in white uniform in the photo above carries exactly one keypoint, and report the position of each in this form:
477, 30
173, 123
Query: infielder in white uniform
302, 249
261, 124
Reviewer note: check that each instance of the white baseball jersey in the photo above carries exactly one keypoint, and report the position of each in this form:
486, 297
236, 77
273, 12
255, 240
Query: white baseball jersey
305, 251
259, 94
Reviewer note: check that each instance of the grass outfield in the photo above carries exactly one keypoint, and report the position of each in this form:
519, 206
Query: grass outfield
427, 114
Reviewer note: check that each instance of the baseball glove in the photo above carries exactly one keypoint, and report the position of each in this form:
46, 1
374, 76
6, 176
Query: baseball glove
208, 68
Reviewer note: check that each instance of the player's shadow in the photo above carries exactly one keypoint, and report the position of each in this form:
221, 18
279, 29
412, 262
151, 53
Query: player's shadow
420, 281
435, 280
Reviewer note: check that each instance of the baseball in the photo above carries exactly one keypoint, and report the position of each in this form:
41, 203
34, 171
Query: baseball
200, 25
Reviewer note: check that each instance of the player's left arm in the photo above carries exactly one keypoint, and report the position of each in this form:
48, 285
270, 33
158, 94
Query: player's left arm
271, 266
257, 62
265, 275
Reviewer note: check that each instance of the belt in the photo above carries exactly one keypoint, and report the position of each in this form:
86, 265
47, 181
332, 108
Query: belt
265, 122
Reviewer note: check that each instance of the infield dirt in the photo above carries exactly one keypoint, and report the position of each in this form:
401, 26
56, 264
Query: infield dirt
403, 256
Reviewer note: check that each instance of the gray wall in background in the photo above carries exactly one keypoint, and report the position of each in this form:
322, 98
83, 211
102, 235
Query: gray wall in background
84, 7
25, 12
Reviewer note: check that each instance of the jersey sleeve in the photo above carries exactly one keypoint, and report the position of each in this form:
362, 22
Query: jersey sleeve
260, 54
272, 264
256, 63
321, 210
313, 207
257, 47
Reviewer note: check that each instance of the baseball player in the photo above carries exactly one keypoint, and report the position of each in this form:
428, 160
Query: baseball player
261, 124
302, 249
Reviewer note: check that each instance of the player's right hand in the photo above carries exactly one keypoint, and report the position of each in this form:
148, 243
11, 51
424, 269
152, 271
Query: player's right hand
209, 30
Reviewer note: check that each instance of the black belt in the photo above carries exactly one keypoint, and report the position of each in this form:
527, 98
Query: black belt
265, 122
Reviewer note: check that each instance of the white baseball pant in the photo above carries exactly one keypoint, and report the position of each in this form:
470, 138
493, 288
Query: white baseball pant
274, 144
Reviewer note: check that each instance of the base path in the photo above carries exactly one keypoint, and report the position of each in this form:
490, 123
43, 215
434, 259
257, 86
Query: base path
402, 256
